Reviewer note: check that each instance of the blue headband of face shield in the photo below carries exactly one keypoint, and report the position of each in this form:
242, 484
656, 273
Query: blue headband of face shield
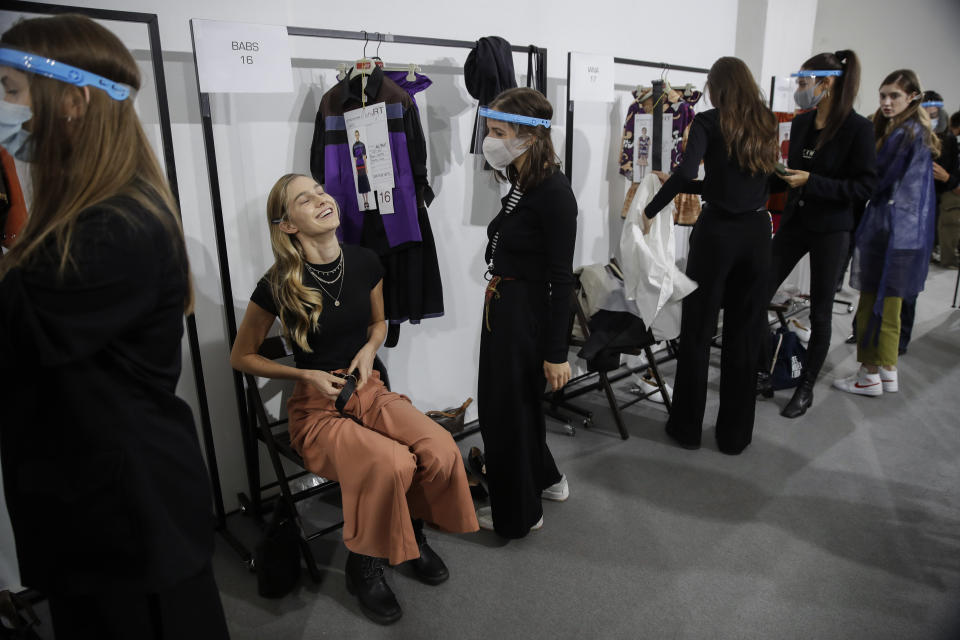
512, 117
817, 74
60, 71
933, 103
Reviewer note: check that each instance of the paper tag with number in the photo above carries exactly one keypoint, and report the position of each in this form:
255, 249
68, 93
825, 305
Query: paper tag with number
369, 144
385, 201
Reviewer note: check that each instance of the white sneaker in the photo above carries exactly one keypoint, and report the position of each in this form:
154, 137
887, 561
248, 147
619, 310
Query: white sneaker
861, 383
485, 519
889, 380
557, 492
802, 331
646, 385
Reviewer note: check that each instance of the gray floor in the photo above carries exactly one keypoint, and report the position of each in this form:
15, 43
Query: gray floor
843, 524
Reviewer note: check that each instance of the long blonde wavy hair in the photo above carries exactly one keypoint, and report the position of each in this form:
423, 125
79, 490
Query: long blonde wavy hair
84, 161
298, 306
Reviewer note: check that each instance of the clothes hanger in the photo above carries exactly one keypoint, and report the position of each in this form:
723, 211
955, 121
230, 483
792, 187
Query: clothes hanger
411, 69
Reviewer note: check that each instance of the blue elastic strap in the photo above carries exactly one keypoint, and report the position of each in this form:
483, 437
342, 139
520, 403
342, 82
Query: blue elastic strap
486, 112
933, 103
817, 74
60, 71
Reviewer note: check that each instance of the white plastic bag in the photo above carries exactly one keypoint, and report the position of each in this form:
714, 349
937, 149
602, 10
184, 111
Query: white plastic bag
654, 285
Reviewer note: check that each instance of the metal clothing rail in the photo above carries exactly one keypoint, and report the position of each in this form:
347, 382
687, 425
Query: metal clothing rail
156, 56
657, 109
210, 151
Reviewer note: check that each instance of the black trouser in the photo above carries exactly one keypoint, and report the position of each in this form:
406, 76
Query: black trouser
190, 610
510, 401
729, 255
908, 312
827, 253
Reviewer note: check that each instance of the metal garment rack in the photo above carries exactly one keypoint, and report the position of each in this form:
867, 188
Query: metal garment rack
209, 145
657, 109
156, 55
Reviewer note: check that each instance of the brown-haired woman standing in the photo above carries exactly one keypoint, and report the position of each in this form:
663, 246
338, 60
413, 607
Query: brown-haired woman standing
831, 169
396, 469
96, 444
525, 321
729, 253
892, 246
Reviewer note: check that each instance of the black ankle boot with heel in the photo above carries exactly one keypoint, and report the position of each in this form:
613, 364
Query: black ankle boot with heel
429, 567
801, 400
365, 580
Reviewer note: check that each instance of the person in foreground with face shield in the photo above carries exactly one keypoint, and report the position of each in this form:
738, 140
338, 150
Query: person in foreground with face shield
831, 167
946, 176
523, 342
14, 116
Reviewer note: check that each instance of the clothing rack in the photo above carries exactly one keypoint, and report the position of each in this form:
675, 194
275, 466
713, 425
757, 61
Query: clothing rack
209, 145
657, 108
151, 21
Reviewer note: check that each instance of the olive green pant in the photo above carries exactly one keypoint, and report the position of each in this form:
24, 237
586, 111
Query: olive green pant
949, 228
883, 352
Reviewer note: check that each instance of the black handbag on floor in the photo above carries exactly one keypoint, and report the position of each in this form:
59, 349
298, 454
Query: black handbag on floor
276, 558
789, 356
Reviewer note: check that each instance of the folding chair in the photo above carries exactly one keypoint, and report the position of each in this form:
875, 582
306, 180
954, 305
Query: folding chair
643, 346
275, 435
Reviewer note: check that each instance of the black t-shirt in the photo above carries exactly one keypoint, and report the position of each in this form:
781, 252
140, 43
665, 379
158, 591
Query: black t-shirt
809, 149
342, 329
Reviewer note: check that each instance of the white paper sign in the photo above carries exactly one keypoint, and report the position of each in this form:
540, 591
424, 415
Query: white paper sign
642, 145
236, 57
783, 89
591, 77
785, 141
666, 142
372, 162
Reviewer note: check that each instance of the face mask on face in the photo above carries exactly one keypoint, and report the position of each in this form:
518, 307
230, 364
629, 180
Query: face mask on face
500, 152
12, 135
806, 99
934, 122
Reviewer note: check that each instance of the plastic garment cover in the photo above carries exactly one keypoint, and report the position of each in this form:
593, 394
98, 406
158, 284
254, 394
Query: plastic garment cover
893, 242
654, 284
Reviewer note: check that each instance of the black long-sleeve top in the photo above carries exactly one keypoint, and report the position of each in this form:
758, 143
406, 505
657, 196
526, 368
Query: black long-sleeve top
535, 242
725, 186
95, 442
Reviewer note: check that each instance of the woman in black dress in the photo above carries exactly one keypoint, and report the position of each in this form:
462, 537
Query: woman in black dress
523, 343
106, 486
729, 253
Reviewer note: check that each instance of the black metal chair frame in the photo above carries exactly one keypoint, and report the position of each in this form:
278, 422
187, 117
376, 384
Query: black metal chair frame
605, 379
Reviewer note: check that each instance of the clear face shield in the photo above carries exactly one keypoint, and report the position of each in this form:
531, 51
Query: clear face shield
49, 68
804, 85
501, 137
934, 109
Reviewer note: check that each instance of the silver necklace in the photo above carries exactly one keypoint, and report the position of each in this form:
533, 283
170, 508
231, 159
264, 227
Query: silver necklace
319, 274
320, 282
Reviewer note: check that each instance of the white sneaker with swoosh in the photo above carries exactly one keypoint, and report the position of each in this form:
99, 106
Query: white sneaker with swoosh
861, 383
890, 380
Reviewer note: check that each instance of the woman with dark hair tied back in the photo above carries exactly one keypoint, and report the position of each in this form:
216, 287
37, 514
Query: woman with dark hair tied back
105, 483
523, 343
892, 246
830, 170
729, 253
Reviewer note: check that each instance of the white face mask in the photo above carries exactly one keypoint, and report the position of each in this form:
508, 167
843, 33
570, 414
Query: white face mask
500, 152
934, 122
13, 137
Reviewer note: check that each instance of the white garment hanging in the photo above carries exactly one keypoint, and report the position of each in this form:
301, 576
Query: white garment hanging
654, 285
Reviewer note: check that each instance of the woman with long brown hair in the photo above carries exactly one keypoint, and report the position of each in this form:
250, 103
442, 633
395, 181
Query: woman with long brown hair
96, 445
831, 170
396, 467
729, 253
892, 245
523, 343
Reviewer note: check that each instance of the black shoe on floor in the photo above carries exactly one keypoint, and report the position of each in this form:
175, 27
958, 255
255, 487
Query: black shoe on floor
801, 400
851, 339
686, 444
429, 567
365, 580
764, 388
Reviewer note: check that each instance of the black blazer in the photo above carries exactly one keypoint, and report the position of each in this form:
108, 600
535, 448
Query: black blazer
843, 173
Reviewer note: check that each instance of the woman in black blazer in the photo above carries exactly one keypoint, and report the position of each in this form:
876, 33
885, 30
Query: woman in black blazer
831, 168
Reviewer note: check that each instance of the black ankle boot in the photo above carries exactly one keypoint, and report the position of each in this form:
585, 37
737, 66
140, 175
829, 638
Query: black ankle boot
801, 400
365, 580
429, 567
764, 386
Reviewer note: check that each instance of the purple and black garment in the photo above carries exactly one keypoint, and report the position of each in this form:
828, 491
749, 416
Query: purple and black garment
683, 115
419, 83
412, 289
892, 243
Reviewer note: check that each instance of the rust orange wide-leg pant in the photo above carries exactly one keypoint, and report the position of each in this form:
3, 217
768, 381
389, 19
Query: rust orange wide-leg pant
399, 464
